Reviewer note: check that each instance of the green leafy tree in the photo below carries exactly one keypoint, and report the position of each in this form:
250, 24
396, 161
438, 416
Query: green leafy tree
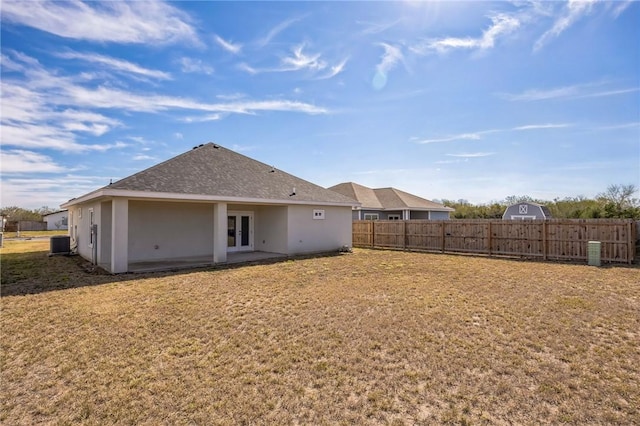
44, 210
15, 213
618, 202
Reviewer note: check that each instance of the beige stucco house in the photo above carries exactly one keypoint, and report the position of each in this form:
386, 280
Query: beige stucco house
204, 204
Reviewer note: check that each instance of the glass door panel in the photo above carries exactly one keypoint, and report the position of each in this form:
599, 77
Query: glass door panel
239, 231
231, 231
244, 231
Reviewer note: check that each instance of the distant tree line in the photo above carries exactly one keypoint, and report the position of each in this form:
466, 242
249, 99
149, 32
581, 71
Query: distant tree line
616, 202
15, 213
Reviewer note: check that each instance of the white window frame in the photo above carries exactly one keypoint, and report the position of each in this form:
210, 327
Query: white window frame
371, 216
91, 223
393, 217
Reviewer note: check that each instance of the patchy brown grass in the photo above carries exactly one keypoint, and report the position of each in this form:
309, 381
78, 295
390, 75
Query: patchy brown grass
33, 234
374, 337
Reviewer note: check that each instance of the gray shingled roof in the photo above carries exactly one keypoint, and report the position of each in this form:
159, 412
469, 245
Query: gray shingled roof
386, 198
214, 170
362, 194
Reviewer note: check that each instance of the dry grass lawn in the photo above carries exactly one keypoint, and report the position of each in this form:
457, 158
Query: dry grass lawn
34, 234
373, 337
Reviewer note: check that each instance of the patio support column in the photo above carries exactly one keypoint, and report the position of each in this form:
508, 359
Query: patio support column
119, 235
405, 215
220, 232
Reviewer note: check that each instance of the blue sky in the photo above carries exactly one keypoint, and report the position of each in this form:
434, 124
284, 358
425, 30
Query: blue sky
446, 100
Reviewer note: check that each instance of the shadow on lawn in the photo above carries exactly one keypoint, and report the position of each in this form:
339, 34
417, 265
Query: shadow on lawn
36, 272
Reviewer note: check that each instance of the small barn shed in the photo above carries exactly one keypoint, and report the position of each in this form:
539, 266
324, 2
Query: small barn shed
521, 211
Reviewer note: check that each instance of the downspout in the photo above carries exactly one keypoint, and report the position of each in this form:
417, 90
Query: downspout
94, 249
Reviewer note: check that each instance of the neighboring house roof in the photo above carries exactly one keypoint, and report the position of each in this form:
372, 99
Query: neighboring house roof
212, 172
386, 198
56, 212
365, 196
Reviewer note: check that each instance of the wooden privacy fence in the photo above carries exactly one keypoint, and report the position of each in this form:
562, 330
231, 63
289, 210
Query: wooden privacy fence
25, 225
551, 239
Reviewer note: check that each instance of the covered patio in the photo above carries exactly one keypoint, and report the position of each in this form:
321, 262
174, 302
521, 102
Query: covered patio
201, 261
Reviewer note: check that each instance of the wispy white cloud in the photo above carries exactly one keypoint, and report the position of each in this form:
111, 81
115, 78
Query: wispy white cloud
242, 148
46, 110
461, 136
472, 154
334, 70
609, 93
277, 30
30, 119
22, 161
67, 91
389, 59
144, 157
231, 96
589, 90
119, 22
190, 65
539, 94
299, 60
619, 126
115, 64
620, 6
376, 27
542, 126
456, 161
501, 25
229, 46
242, 66
32, 192
391, 56
479, 134
203, 118
573, 11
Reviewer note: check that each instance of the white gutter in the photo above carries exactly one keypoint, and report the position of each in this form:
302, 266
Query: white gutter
169, 196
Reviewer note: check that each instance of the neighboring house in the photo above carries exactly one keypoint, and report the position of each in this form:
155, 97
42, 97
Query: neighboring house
204, 204
56, 220
526, 211
390, 204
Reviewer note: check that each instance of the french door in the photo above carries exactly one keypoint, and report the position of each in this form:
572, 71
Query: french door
239, 231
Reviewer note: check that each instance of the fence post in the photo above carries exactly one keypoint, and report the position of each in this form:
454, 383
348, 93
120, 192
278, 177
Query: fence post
544, 240
489, 238
443, 245
404, 235
373, 233
632, 248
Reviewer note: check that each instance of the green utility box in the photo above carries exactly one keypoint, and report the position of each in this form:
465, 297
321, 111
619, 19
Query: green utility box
594, 253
